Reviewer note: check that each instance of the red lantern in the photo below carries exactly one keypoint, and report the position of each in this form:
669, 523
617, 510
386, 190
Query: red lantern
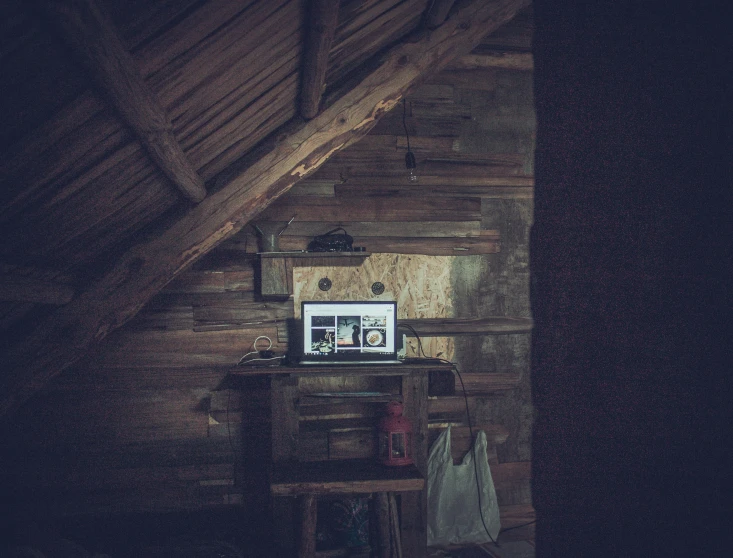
395, 437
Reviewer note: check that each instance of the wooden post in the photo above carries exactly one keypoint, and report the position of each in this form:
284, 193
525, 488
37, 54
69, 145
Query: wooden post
322, 21
414, 504
308, 508
381, 512
283, 401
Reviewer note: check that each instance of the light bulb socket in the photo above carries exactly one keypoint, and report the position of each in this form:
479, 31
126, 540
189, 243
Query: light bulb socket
410, 160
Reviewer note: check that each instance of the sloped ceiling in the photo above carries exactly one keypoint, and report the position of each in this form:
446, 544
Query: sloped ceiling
92, 227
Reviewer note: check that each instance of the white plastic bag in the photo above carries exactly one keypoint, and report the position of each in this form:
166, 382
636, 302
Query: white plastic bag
453, 503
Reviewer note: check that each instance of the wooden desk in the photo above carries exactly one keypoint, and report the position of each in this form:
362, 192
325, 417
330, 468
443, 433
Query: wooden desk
291, 478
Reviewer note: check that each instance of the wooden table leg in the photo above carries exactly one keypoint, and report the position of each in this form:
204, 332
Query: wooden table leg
414, 524
381, 508
308, 508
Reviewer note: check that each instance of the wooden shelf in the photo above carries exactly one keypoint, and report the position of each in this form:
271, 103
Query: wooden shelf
354, 476
300, 254
340, 398
345, 370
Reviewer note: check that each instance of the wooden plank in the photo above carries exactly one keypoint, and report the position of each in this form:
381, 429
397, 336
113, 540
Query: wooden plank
356, 208
343, 477
459, 246
438, 180
145, 269
322, 19
446, 190
357, 444
93, 36
424, 229
183, 348
487, 382
432, 246
284, 395
356, 370
461, 440
495, 325
238, 315
212, 282
274, 279
308, 512
414, 504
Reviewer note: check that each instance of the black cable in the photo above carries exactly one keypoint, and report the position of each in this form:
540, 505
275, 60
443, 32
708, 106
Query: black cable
229, 436
475, 459
470, 429
404, 122
519, 526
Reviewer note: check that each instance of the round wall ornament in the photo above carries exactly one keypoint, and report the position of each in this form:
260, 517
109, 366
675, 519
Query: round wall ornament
377, 288
324, 284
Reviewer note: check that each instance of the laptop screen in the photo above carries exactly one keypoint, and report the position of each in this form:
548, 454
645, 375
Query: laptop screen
349, 331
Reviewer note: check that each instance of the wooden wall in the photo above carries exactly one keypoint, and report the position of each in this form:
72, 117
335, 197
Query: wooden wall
152, 422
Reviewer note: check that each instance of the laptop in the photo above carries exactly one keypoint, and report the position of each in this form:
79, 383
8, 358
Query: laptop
347, 332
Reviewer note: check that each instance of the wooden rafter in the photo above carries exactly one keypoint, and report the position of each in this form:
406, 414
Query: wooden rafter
92, 35
149, 266
322, 20
437, 12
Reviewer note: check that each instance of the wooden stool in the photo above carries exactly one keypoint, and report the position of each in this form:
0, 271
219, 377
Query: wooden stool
309, 480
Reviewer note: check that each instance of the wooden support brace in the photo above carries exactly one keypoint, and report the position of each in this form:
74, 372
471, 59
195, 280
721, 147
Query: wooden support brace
322, 21
92, 35
308, 508
437, 12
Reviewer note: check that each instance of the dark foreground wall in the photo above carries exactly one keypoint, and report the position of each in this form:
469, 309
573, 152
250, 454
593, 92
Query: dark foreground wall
630, 259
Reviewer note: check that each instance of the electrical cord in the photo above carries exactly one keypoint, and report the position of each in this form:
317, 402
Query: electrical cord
470, 428
264, 354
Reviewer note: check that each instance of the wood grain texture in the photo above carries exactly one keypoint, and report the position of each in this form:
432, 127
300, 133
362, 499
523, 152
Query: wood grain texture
437, 12
427, 327
322, 20
145, 269
92, 35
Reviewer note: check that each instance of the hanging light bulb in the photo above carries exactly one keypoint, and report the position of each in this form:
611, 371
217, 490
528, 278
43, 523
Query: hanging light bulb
411, 166
409, 156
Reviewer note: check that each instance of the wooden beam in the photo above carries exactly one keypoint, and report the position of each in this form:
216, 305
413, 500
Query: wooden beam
140, 273
437, 12
322, 20
431, 327
92, 35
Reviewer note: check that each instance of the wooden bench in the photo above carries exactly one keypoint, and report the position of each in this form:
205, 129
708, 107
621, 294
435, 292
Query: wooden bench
307, 481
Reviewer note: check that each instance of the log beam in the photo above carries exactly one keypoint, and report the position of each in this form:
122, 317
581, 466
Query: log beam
92, 35
437, 12
146, 268
322, 20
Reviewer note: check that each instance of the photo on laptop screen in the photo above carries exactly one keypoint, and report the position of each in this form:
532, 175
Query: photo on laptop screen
349, 331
